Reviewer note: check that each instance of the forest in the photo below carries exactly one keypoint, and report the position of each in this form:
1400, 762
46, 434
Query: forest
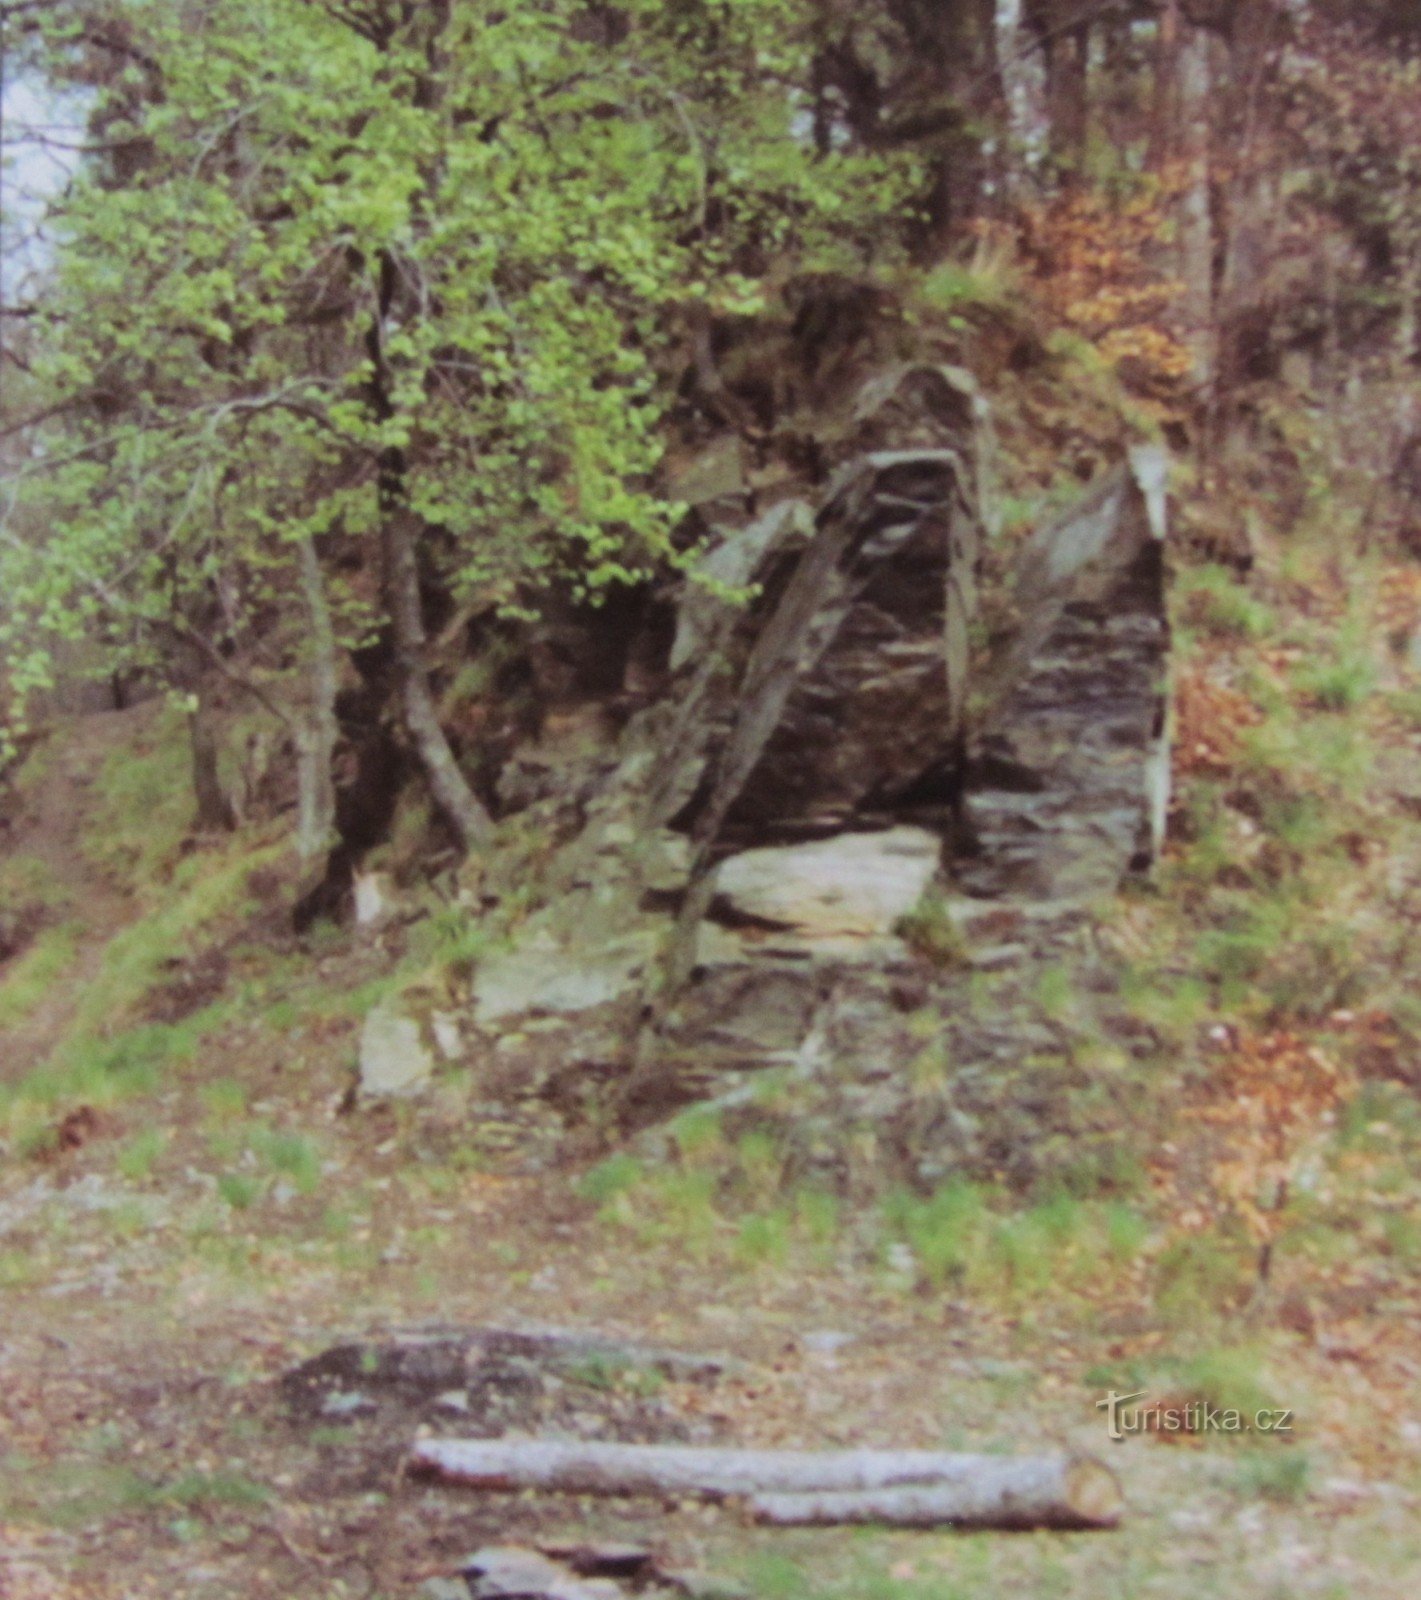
710, 798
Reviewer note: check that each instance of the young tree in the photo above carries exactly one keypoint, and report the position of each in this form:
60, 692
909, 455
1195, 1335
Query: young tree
399, 278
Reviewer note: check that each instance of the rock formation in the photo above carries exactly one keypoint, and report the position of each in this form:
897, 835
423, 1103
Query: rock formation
806, 807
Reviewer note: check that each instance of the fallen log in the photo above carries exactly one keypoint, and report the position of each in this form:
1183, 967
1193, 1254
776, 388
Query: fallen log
999, 1492
794, 1485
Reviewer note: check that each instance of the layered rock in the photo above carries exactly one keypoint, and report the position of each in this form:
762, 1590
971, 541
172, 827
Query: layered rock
1070, 773
766, 832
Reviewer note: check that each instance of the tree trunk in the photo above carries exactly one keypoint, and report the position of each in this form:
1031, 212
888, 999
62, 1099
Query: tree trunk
999, 1492
456, 801
318, 733
1196, 219
912, 1486
1180, 153
399, 525
965, 44
399, 528
1063, 31
1067, 64
214, 808
1164, 130
1023, 91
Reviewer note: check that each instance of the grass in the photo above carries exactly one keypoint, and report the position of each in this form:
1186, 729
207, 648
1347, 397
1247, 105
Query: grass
967, 1237
100, 1071
108, 1052
609, 1373
204, 888
942, 1231
142, 803
455, 940
930, 931
764, 1238
1283, 1478
28, 882
18, 1269
31, 975
225, 1100
289, 1155
138, 1157
1212, 600
1229, 1378
1201, 1278
241, 1190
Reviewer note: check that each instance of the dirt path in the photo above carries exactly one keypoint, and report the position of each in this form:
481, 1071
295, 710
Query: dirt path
150, 1451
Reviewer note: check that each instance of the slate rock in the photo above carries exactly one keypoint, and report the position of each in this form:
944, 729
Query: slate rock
1070, 773
541, 976
854, 885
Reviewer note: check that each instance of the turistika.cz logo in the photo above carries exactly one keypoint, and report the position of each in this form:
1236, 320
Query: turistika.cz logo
1196, 1416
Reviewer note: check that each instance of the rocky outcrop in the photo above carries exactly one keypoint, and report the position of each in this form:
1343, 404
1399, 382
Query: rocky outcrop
1070, 768
838, 690
802, 847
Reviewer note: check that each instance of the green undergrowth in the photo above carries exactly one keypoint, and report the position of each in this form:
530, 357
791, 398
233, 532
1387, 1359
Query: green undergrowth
141, 807
1213, 601
34, 973
733, 1202
1262, 909
30, 883
96, 1486
109, 1045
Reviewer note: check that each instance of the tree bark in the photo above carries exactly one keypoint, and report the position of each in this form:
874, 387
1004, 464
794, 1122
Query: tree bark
214, 808
399, 527
456, 801
1063, 28
319, 732
797, 1486
1196, 219
998, 1492
1180, 153
1023, 92
1164, 131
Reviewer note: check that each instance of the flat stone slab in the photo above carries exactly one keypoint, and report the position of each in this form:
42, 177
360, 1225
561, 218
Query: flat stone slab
550, 979
857, 885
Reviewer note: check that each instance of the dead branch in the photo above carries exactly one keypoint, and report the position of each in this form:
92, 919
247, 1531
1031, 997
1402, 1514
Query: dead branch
913, 1487
998, 1492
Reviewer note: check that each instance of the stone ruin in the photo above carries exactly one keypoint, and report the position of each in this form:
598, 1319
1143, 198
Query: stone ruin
833, 761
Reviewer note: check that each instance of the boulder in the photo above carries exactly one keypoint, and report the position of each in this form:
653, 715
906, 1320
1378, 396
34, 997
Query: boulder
873, 716
394, 1058
731, 898
374, 899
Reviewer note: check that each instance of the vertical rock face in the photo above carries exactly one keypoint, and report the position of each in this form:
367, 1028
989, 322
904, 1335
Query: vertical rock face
1069, 774
839, 689
877, 716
